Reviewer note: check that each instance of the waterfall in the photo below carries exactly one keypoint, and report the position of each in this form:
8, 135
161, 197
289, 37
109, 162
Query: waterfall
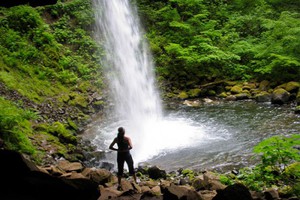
129, 69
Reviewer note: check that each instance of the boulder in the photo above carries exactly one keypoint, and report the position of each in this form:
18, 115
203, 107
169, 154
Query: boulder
264, 85
271, 194
22, 179
180, 192
207, 194
280, 96
263, 97
156, 173
292, 86
69, 166
236, 89
100, 176
233, 192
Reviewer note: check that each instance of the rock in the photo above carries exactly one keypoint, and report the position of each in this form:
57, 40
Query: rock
156, 191
193, 93
69, 166
100, 176
264, 85
109, 193
183, 95
263, 97
207, 194
233, 192
212, 182
242, 96
195, 103
180, 192
199, 183
271, 194
236, 89
280, 96
230, 98
292, 86
21, 179
156, 173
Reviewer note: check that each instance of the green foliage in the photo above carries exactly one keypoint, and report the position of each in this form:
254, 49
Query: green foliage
196, 41
23, 18
279, 164
15, 127
278, 151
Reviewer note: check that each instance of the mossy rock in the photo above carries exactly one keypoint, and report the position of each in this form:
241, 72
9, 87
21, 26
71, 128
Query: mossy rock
264, 85
236, 89
65, 135
183, 95
242, 96
78, 100
280, 96
263, 97
194, 93
223, 95
292, 86
211, 93
72, 124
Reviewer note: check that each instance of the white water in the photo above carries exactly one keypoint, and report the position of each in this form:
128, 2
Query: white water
137, 103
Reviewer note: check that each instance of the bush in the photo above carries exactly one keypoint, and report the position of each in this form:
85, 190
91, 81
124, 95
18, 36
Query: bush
24, 18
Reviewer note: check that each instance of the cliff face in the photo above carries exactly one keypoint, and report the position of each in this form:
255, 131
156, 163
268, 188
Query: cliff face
33, 3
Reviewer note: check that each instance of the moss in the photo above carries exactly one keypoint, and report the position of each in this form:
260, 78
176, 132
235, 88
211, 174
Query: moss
72, 124
194, 93
236, 89
183, 95
223, 95
63, 134
78, 100
292, 86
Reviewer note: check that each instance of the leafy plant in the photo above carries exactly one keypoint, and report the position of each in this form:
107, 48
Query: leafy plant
279, 164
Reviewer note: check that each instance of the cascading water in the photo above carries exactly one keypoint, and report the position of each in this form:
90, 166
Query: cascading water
130, 73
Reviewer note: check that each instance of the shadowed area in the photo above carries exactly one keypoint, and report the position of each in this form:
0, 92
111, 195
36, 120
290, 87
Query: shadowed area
33, 3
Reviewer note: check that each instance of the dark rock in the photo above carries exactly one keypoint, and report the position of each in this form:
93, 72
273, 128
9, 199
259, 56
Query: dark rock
156, 173
180, 193
233, 192
21, 179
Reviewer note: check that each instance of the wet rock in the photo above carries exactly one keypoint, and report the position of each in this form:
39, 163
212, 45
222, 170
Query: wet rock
264, 85
100, 176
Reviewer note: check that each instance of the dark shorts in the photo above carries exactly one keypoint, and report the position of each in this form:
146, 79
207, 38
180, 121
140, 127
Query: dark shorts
123, 157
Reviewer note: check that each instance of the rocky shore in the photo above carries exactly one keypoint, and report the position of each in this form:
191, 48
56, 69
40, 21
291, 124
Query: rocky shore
22, 179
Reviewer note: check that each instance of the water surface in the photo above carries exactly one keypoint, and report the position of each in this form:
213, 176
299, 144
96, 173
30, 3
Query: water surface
220, 135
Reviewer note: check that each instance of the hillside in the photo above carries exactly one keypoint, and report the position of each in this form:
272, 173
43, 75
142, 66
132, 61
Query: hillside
50, 78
